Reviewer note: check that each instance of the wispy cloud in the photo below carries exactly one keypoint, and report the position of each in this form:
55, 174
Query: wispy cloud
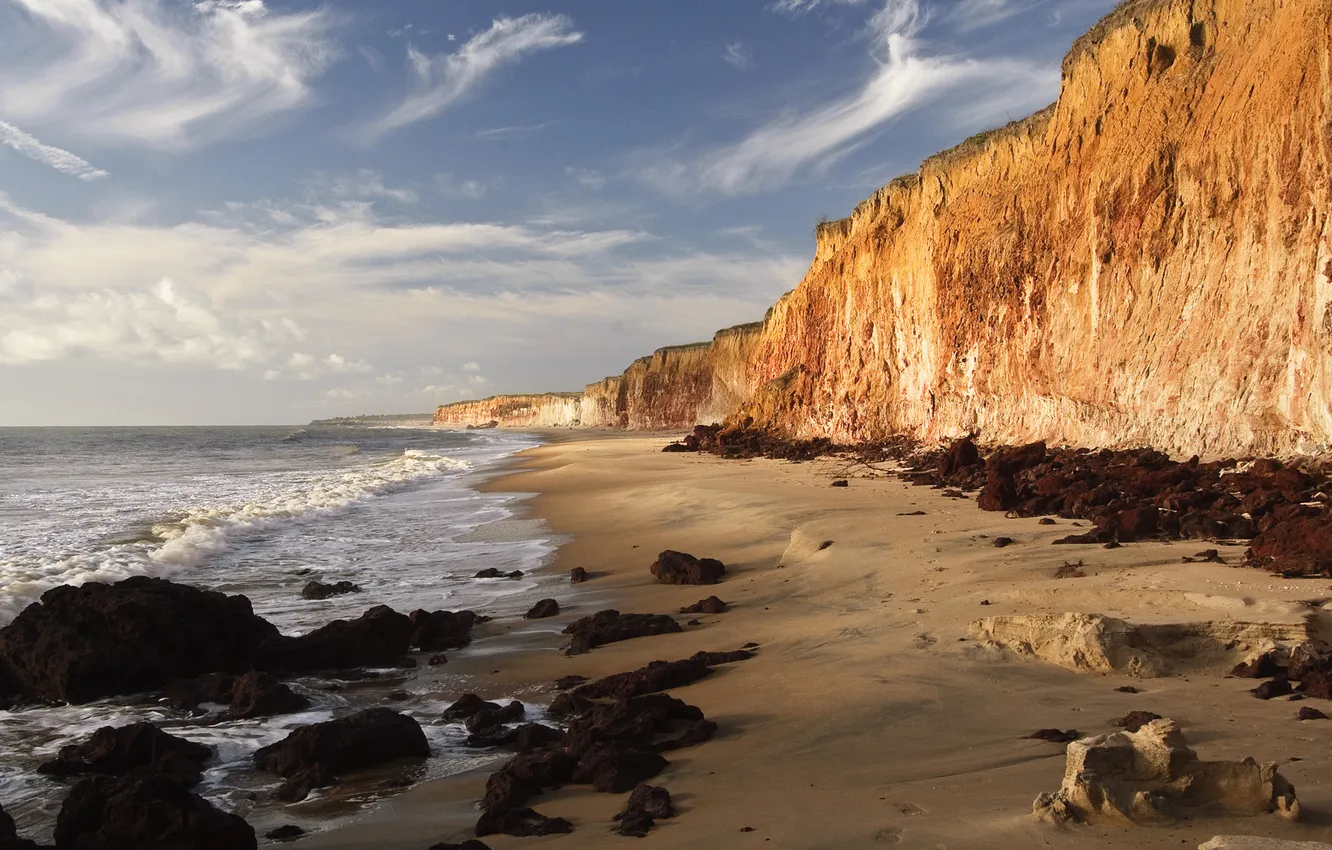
60, 160
164, 74
799, 7
738, 55
903, 76
588, 177
444, 80
501, 133
366, 184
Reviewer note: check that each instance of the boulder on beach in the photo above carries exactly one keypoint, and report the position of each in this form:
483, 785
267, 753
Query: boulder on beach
673, 567
436, 630
610, 626
645, 806
96, 640
657, 676
711, 605
319, 590
1152, 777
542, 609
380, 637
367, 738
146, 811
577, 575
115, 751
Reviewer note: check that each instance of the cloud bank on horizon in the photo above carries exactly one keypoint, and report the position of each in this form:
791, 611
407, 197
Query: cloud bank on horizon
250, 211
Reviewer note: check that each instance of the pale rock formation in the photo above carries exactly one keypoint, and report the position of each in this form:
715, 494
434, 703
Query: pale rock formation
1095, 643
1152, 777
1255, 842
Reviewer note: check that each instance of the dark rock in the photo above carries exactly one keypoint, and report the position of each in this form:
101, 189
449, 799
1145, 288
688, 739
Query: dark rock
912, 513
712, 659
319, 590
1306, 658
433, 631
525, 738
370, 737
750, 645
645, 806
1135, 720
961, 455
113, 751
711, 605
657, 676
378, 638
841, 482
611, 626
467, 705
469, 844
614, 770
289, 832
694, 622
1296, 546
521, 823
1278, 687
652, 722
299, 785
188, 694
1113, 544
1001, 542
437, 659
146, 811
1210, 555
1045, 520
397, 696
1309, 713
9, 839
564, 683
1317, 683
1055, 736
491, 572
1127, 689
82, 643
567, 705
577, 575
1265, 666
258, 694
677, 447
544, 608
489, 718
673, 567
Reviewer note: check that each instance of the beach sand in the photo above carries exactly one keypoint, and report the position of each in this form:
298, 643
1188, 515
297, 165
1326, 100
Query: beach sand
868, 717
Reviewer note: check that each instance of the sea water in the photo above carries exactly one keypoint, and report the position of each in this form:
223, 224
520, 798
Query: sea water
259, 512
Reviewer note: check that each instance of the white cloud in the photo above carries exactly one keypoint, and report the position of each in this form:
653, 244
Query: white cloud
799, 7
589, 177
60, 160
737, 55
338, 363
903, 77
367, 183
159, 73
470, 190
442, 81
471, 366
517, 132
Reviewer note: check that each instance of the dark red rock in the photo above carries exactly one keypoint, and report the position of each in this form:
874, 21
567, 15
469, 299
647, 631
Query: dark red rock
711, 605
712, 659
1055, 736
370, 737
146, 811
1310, 713
1278, 687
467, 705
82, 643
610, 626
525, 738
673, 567
188, 694
961, 455
258, 694
1306, 658
1317, 683
1299, 546
520, 822
1135, 720
646, 805
1265, 666
542, 609
657, 676
489, 718
652, 722
115, 751
1001, 542
614, 769
433, 631
577, 575
524, 776
380, 637
319, 590
841, 482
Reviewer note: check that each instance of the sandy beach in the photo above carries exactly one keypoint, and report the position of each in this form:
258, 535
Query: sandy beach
869, 716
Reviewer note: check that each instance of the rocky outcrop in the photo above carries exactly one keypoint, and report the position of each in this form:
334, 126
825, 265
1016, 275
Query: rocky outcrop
1148, 261
1152, 777
540, 410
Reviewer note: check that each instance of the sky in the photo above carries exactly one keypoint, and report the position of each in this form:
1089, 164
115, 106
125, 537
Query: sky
270, 211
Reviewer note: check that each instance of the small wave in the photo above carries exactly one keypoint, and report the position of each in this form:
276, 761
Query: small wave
194, 534
346, 451
296, 436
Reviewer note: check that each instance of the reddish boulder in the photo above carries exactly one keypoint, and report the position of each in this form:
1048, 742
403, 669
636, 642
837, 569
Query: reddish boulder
577, 575
961, 455
610, 626
646, 805
542, 609
657, 676
673, 567
1300, 546
711, 605
116, 751
433, 631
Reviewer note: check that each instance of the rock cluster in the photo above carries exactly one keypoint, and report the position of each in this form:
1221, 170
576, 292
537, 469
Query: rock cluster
673, 567
610, 626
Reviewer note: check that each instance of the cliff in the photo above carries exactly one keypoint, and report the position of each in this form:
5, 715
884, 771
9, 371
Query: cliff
1146, 261
543, 410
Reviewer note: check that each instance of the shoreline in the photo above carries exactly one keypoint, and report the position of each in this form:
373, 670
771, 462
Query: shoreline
869, 716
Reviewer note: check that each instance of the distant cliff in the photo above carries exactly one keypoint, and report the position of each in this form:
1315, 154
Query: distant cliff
1147, 261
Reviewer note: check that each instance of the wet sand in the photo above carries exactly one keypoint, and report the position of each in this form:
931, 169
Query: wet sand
868, 718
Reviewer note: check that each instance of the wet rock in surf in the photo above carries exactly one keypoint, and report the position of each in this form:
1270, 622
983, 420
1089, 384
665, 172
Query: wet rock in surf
466, 706
577, 575
436, 630
378, 638
9, 839
711, 605
115, 751
646, 805
96, 640
258, 694
469, 844
146, 811
524, 738
287, 832
370, 737
491, 718
319, 590
673, 567
610, 626
542, 609
491, 572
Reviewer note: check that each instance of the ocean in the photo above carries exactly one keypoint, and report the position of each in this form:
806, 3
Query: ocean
257, 511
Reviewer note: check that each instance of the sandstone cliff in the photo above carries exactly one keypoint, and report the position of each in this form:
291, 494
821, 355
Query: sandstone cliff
1147, 261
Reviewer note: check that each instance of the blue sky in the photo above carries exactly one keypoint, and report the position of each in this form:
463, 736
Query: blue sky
234, 211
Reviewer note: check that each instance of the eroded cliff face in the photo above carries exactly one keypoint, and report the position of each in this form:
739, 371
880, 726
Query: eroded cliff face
1146, 262
675, 387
